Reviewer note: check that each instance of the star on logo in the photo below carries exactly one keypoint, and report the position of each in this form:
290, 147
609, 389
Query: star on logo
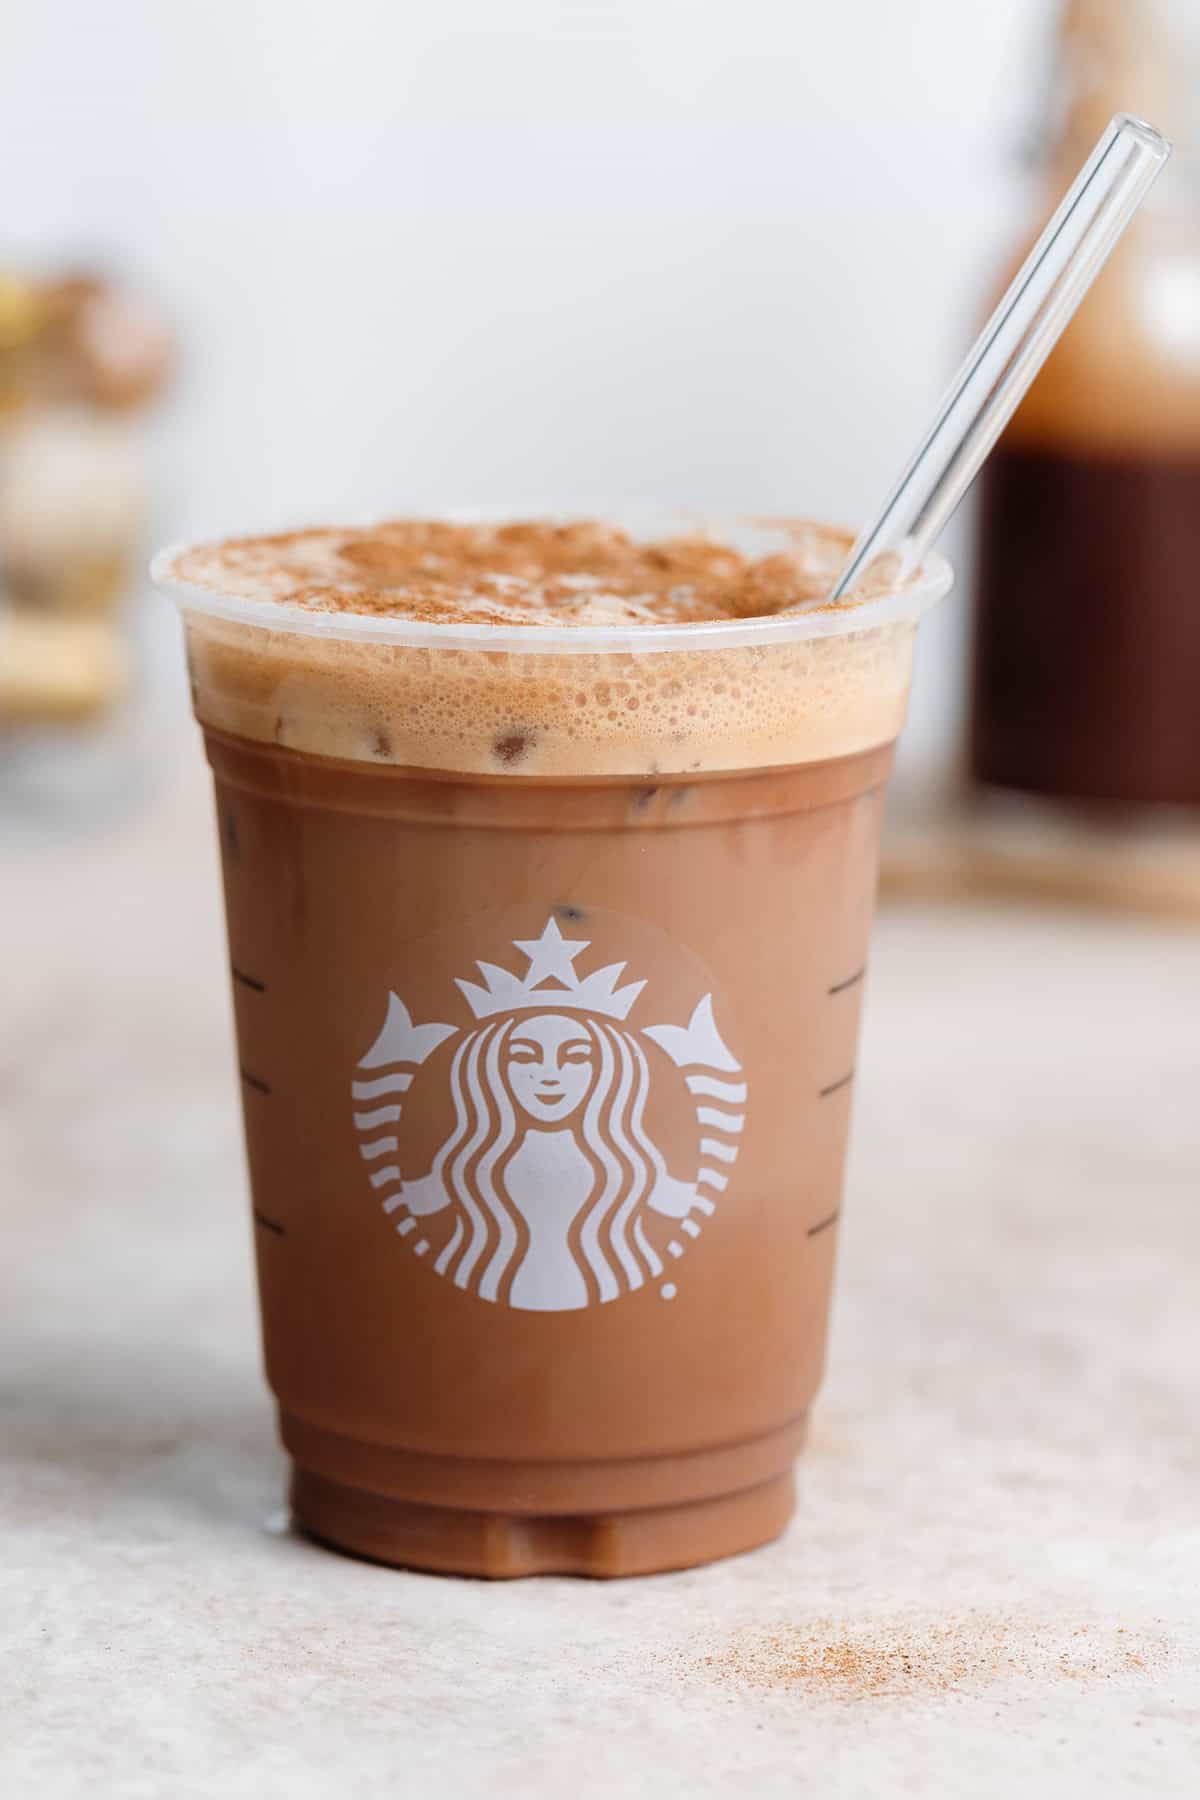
551, 956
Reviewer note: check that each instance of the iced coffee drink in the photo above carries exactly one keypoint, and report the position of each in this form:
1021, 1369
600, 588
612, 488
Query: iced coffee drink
549, 856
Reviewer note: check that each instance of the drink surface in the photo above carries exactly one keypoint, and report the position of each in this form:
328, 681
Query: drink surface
525, 572
545, 649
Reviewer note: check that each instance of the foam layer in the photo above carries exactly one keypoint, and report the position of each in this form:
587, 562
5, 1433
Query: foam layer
525, 572
553, 711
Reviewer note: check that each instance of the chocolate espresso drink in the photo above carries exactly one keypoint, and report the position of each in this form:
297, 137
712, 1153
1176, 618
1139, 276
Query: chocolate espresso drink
549, 856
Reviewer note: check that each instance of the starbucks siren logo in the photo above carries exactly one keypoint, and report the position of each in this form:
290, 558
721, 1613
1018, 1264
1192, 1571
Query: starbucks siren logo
546, 1191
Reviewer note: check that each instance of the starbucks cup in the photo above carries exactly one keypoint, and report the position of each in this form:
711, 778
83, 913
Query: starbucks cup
547, 947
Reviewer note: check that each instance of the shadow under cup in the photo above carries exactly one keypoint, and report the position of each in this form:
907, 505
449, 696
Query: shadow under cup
547, 1007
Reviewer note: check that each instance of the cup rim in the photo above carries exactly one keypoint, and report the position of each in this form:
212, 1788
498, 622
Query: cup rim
902, 604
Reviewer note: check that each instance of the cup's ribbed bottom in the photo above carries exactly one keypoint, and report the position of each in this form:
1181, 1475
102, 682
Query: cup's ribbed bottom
502, 1545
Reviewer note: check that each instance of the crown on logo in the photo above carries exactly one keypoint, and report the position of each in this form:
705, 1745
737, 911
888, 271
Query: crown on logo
551, 961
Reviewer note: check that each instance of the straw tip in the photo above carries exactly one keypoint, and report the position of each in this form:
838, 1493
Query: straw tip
1129, 125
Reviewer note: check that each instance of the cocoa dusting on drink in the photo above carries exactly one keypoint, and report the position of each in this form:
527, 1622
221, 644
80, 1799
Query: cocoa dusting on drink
528, 572
963, 1655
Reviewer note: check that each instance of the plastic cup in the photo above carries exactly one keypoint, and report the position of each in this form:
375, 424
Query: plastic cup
547, 949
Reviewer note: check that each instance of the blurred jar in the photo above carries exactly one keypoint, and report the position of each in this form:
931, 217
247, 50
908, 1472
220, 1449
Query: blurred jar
79, 362
1086, 676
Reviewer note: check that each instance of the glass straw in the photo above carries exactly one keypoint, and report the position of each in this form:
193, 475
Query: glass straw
1014, 344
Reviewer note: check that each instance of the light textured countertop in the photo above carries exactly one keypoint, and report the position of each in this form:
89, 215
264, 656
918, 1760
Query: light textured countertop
993, 1583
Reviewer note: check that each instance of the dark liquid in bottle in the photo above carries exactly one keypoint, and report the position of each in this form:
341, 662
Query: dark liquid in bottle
1087, 648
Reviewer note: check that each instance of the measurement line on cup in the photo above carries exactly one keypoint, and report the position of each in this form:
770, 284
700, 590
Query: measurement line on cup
254, 1081
270, 1224
250, 981
841, 1082
839, 987
824, 1224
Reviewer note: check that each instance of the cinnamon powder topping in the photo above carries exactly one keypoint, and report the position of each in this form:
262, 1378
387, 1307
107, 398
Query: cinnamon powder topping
528, 572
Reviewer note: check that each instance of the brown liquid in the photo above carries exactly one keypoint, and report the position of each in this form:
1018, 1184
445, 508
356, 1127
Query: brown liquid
615, 1379
1087, 652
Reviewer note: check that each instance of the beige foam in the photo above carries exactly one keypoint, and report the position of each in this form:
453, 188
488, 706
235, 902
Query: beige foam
544, 712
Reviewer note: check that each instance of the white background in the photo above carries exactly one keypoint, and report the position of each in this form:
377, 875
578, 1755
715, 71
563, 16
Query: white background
465, 251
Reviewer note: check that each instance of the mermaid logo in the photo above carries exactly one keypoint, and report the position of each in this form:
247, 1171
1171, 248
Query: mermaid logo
549, 1189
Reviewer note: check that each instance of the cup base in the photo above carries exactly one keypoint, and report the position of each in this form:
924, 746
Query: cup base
499, 1546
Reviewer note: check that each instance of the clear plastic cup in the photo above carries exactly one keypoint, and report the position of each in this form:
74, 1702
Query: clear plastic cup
548, 948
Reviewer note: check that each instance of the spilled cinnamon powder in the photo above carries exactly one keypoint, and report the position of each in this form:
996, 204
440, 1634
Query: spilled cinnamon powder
964, 1655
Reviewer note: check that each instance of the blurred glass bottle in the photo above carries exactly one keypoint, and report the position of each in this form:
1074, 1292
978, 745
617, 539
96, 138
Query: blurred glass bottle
79, 360
1086, 668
